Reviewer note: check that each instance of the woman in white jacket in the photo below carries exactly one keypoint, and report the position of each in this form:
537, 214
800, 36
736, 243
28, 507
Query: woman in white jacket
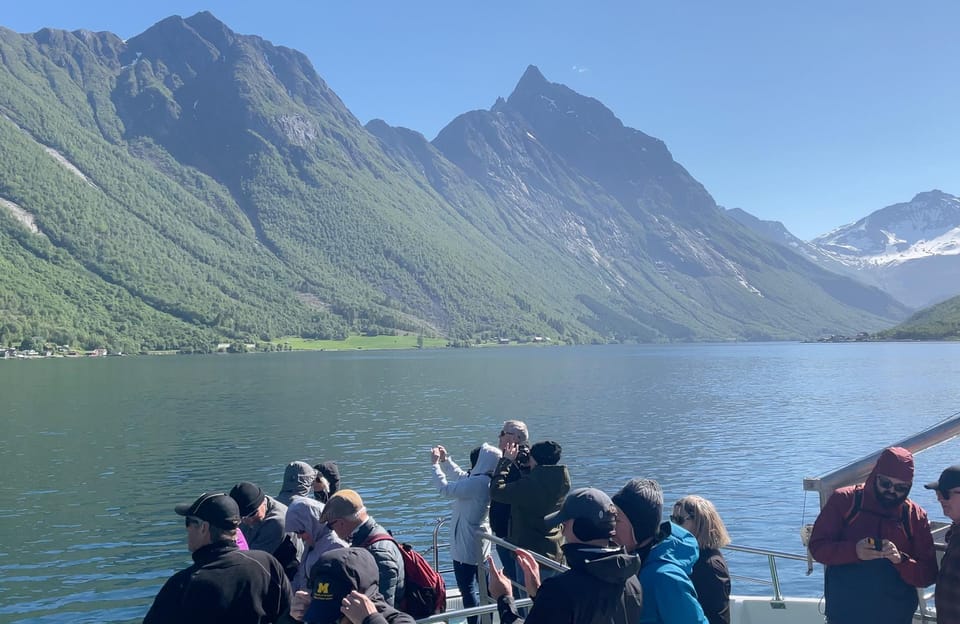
470, 492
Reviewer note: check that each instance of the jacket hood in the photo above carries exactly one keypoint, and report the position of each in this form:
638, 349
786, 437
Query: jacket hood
303, 514
487, 460
555, 481
895, 462
297, 480
677, 546
610, 565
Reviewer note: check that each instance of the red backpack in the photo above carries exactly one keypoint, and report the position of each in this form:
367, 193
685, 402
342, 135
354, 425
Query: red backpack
424, 592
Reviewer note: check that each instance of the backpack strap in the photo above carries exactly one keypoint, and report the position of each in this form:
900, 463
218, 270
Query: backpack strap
905, 520
854, 507
858, 503
378, 538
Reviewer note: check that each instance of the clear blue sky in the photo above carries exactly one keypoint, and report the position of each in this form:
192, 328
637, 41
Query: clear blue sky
812, 113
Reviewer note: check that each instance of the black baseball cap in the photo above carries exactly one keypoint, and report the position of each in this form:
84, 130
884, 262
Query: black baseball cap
584, 503
949, 479
218, 509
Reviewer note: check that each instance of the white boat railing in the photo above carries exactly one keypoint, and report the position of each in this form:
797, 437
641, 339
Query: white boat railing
487, 606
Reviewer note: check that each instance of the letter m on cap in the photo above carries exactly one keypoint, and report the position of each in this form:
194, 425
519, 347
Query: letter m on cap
323, 590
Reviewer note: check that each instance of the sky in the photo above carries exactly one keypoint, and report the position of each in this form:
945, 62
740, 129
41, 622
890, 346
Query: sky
812, 113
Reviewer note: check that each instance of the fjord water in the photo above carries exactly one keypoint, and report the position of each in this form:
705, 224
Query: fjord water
96, 452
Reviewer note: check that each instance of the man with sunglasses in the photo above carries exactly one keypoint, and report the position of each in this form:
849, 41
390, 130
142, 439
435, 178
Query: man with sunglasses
224, 584
876, 545
948, 580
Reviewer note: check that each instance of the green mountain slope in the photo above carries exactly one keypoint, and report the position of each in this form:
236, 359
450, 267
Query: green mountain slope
939, 322
214, 188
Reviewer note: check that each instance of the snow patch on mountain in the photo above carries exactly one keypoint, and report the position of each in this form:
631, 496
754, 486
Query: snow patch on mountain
928, 225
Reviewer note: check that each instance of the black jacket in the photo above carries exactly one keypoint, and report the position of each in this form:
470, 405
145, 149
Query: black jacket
500, 512
711, 579
601, 587
224, 586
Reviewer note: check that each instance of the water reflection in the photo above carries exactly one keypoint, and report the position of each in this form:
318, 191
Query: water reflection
95, 454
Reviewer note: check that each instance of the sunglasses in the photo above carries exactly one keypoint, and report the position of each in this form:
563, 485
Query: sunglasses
332, 523
190, 520
674, 518
887, 484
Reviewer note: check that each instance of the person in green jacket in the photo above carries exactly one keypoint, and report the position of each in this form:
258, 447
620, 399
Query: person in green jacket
533, 496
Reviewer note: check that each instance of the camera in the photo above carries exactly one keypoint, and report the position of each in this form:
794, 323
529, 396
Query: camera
523, 455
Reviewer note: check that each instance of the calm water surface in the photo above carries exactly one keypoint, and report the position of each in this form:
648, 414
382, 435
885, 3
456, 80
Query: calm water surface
95, 453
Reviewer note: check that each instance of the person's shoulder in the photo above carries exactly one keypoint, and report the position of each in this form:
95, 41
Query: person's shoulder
275, 506
560, 587
916, 510
258, 560
716, 562
842, 498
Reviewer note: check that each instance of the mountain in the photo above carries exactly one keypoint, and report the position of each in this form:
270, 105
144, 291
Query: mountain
192, 184
910, 250
939, 322
777, 232
564, 170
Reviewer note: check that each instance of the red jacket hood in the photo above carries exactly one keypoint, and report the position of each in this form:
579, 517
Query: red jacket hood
894, 462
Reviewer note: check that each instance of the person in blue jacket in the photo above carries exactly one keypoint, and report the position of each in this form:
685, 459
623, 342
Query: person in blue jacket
668, 553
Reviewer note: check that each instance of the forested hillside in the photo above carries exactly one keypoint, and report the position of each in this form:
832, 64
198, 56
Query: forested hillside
939, 322
191, 186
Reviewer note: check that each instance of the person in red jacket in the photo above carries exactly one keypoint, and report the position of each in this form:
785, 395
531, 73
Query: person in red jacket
876, 545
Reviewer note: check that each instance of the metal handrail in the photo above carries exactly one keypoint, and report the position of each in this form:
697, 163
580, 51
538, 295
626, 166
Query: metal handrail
772, 556
483, 609
544, 561
487, 607
857, 471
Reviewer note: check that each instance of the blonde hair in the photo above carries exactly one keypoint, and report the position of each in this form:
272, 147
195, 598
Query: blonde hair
705, 522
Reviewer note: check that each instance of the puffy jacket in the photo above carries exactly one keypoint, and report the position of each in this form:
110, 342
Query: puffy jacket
388, 558
224, 586
535, 495
877, 590
668, 593
304, 515
471, 501
599, 588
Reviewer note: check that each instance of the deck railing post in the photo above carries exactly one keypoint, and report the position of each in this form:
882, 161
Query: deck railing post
777, 596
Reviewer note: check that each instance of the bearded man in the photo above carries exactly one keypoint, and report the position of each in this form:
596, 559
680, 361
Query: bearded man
876, 545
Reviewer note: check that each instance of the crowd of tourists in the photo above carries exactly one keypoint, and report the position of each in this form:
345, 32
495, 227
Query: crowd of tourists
315, 554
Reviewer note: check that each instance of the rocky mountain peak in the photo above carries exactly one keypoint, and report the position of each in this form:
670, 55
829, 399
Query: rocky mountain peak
182, 49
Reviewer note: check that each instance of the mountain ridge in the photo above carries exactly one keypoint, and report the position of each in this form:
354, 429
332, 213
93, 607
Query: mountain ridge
235, 195
910, 250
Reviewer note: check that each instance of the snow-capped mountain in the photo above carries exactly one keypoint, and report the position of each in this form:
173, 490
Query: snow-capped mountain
928, 225
910, 250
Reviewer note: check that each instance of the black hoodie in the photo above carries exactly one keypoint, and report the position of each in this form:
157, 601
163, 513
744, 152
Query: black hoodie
601, 587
